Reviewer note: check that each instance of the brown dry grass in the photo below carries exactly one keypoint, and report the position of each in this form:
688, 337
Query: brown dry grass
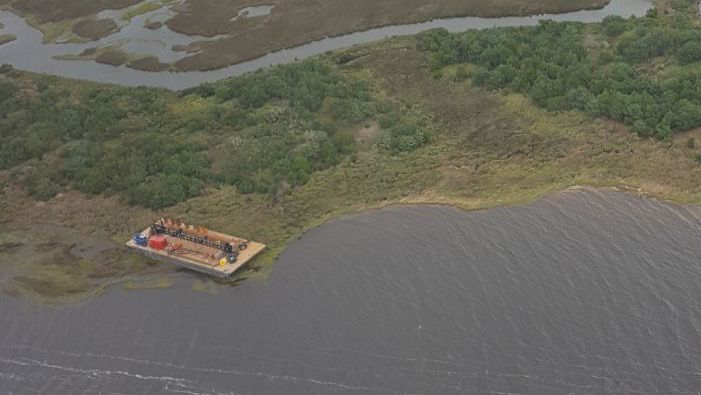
56, 11
148, 63
112, 57
489, 150
295, 22
291, 22
94, 29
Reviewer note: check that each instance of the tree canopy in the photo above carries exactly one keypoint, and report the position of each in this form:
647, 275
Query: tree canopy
551, 64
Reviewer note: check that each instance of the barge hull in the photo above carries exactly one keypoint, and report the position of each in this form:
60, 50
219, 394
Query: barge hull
221, 271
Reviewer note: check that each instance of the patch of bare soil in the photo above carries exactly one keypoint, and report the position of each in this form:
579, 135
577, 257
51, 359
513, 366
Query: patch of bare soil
693, 133
369, 133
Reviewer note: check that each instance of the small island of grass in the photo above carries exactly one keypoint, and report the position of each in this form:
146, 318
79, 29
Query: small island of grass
7, 38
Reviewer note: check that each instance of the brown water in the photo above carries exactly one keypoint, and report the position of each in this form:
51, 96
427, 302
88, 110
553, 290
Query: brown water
585, 292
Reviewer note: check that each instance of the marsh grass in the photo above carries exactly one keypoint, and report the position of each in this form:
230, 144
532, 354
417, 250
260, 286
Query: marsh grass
487, 149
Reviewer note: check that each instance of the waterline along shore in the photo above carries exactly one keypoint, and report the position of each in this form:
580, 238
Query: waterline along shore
28, 52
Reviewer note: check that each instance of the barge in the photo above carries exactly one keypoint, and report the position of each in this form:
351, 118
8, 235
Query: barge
194, 247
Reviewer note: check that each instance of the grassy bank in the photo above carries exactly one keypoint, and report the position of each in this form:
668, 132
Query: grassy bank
353, 130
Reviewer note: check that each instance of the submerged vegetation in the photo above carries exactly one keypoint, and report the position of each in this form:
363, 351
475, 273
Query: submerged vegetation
476, 119
611, 69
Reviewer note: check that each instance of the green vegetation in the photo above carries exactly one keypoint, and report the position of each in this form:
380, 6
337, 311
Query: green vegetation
7, 38
274, 153
405, 130
140, 9
266, 132
54, 31
112, 57
554, 66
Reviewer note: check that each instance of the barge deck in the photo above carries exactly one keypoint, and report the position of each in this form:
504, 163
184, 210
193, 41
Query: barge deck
195, 248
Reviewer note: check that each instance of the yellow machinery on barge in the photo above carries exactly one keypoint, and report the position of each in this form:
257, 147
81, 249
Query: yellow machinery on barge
195, 247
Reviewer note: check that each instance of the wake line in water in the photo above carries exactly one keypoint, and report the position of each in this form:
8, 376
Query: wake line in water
462, 374
534, 299
94, 373
173, 380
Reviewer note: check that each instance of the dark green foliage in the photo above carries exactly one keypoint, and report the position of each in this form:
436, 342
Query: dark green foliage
689, 52
304, 86
282, 152
7, 90
263, 132
404, 130
550, 64
614, 25
644, 45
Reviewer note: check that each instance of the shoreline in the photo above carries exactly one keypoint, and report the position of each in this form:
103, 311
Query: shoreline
575, 266
164, 276
410, 201
369, 29
490, 150
29, 58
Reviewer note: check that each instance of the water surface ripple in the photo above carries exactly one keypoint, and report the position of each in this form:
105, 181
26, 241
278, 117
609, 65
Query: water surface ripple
584, 292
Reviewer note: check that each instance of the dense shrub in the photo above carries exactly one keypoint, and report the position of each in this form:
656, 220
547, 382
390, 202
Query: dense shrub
614, 25
263, 132
550, 64
404, 130
689, 52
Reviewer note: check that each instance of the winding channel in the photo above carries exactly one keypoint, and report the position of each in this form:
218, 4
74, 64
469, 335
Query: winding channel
28, 52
